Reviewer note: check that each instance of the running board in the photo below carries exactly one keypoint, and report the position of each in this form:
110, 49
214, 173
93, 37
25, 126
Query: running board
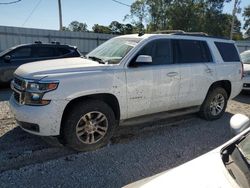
159, 116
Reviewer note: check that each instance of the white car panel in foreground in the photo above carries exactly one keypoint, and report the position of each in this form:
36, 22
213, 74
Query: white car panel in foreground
206, 171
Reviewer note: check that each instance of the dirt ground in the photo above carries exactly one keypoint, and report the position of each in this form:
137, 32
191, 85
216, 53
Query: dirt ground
133, 153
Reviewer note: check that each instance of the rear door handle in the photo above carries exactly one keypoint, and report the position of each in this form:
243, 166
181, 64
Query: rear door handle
172, 74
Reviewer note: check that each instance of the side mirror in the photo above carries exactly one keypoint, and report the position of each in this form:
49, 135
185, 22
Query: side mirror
7, 58
144, 59
239, 123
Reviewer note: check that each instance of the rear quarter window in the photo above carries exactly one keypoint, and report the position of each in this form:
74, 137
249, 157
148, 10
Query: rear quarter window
62, 51
227, 51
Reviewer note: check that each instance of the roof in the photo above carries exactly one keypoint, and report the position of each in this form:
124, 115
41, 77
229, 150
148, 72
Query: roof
200, 36
45, 44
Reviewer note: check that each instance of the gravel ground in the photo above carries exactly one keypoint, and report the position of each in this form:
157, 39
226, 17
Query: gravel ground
134, 152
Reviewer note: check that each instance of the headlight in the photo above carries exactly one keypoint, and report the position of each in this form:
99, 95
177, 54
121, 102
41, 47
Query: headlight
35, 91
42, 86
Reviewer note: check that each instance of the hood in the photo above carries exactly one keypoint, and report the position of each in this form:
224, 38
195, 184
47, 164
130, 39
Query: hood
42, 69
207, 171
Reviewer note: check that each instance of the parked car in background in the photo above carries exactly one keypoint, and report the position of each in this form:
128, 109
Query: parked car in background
127, 80
245, 58
227, 166
13, 57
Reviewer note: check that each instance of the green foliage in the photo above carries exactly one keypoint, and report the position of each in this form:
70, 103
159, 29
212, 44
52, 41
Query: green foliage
246, 15
76, 26
138, 14
189, 15
101, 29
121, 29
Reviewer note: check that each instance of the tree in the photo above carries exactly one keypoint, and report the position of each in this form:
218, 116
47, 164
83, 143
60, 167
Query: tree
246, 15
101, 29
128, 29
138, 14
121, 29
158, 14
78, 26
116, 27
64, 28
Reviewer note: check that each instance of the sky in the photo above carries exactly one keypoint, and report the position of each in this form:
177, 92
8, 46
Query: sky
44, 13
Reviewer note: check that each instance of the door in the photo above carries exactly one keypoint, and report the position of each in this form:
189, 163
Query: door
18, 57
197, 70
151, 87
41, 53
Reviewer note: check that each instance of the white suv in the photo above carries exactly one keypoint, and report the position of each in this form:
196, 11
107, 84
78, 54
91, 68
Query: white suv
127, 80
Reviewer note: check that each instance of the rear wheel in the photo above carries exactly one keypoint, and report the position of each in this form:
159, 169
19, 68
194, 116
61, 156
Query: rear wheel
89, 125
215, 104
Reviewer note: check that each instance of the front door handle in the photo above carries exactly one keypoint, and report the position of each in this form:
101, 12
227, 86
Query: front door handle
172, 74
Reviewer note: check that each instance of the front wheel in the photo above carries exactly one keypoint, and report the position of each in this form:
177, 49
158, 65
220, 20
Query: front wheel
89, 125
215, 104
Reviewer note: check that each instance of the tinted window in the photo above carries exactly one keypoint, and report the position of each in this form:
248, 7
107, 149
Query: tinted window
23, 52
45, 52
159, 50
62, 51
191, 51
227, 51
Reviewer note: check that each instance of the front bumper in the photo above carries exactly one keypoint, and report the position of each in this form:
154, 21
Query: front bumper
47, 118
246, 83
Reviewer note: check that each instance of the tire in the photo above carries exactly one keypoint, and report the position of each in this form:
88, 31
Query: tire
81, 125
209, 109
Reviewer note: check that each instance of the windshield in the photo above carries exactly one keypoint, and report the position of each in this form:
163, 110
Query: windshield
244, 147
245, 57
114, 50
236, 158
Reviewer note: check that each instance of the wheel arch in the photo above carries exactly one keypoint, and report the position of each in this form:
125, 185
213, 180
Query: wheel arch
108, 98
225, 84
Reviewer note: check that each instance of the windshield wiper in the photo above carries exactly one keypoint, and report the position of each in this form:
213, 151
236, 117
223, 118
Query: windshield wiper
99, 60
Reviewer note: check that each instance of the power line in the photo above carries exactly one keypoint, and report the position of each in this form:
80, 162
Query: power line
12, 2
33, 10
121, 3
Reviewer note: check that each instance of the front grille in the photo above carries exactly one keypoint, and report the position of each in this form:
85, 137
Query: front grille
16, 96
19, 83
18, 86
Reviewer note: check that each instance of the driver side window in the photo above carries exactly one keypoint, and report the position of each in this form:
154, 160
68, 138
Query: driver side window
160, 50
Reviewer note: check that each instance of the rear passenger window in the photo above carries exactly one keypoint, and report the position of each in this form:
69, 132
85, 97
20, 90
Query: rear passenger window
191, 51
227, 51
45, 52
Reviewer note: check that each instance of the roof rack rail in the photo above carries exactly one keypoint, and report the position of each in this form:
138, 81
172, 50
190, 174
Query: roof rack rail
192, 33
195, 34
168, 31
55, 42
38, 42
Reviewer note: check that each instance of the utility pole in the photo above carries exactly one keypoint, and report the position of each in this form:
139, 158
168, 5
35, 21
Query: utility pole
233, 18
60, 15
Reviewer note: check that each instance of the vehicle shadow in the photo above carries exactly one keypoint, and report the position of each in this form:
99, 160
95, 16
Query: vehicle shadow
5, 93
18, 149
133, 153
244, 97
